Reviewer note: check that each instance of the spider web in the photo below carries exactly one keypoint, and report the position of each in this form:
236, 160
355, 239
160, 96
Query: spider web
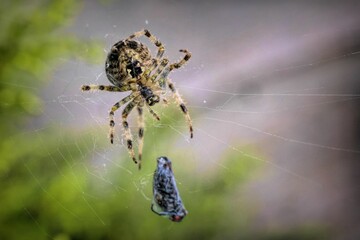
286, 85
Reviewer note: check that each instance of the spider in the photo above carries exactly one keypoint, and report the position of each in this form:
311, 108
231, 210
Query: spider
129, 66
166, 201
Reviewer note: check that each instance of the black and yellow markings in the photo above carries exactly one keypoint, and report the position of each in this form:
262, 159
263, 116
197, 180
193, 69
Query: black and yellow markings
128, 135
183, 108
130, 65
85, 88
172, 88
106, 88
140, 132
161, 67
182, 61
114, 108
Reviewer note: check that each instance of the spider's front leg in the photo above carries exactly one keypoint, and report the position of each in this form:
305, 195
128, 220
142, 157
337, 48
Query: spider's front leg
93, 87
128, 136
112, 112
154, 114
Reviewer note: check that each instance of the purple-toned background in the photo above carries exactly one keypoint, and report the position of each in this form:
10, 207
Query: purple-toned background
279, 75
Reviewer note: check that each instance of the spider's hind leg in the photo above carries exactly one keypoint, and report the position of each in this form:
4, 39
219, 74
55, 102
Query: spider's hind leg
157, 43
141, 131
182, 61
181, 104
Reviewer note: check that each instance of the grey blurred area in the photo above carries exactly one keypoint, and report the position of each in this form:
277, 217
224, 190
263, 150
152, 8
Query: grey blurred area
282, 76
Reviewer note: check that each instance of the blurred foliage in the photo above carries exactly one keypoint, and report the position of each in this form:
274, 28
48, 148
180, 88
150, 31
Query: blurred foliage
31, 42
50, 186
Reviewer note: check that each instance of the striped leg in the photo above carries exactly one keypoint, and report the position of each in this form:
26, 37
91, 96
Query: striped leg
182, 61
180, 102
141, 132
166, 102
112, 112
158, 44
176, 65
163, 64
110, 88
128, 136
153, 113
154, 64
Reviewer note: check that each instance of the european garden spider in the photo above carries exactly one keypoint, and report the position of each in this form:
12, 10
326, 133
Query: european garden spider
129, 66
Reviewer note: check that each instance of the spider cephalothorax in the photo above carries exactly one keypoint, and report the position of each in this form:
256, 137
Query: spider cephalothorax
149, 96
129, 66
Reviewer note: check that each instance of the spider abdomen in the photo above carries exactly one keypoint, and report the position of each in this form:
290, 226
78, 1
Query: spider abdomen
125, 60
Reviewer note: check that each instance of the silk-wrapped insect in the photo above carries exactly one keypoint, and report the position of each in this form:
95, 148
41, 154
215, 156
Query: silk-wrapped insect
166, 200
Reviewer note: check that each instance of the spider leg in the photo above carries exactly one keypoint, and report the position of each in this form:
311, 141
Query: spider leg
157, 43
153, 113
181, 103
112, 112
176, 65
163, 64
166, 102
182, 61
154, 64
128, 136
110, 88
141, 131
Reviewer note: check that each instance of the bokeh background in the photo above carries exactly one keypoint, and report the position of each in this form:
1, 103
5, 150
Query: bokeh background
273, 90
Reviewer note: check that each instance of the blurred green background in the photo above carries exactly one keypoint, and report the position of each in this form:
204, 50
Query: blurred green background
52, 184
46, 192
